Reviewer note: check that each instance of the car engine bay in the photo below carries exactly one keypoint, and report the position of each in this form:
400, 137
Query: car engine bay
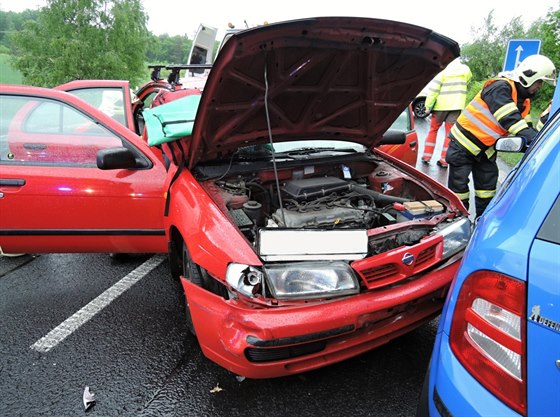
374, 195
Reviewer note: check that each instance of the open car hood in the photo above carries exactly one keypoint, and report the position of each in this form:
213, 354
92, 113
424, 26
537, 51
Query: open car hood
341, 78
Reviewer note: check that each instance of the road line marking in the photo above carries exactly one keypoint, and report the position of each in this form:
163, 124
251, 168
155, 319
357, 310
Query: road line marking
72, 323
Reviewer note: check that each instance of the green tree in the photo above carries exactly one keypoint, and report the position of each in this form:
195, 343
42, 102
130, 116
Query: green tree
82, 39
169, 49
485, 54
11, 22
547, 29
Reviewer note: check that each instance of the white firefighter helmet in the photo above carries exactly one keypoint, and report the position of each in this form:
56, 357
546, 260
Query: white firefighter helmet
534, 68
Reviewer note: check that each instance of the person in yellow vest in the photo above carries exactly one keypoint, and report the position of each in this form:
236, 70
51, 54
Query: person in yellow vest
447, 94
544, 116
498, 110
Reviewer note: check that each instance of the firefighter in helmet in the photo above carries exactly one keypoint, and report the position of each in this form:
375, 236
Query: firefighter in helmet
498, 110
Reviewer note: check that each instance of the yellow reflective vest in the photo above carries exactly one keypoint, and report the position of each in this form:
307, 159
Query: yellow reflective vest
448, 90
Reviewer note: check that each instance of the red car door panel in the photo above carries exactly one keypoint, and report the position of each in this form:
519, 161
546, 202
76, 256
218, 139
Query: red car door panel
53, 198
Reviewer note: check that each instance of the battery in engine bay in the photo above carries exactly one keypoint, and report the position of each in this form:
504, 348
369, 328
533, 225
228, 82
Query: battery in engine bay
243, 222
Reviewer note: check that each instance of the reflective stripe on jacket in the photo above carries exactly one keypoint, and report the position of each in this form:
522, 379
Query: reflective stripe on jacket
484, 125
448, 90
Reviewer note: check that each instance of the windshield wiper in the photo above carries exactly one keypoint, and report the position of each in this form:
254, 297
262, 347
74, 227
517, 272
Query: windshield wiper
307, 151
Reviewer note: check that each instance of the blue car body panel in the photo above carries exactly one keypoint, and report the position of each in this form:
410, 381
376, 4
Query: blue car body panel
543, 330
459, 391
512, 238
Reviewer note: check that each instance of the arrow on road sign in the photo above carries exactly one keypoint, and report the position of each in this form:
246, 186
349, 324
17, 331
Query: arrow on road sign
519, 49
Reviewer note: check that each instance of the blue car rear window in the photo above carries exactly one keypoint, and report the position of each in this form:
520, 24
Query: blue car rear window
550, 229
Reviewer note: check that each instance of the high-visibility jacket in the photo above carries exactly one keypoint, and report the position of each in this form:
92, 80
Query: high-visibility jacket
448, 90
477, 129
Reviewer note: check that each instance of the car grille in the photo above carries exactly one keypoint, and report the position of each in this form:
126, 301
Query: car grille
391, 267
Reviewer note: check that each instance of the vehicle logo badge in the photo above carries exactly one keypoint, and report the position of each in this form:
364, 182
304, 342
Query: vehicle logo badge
408, 259
542, 320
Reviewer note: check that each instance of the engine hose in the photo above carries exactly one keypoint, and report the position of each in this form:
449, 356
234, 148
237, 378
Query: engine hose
378, 197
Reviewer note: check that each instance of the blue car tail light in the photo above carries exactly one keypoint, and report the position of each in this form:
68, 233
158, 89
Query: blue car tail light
488, 335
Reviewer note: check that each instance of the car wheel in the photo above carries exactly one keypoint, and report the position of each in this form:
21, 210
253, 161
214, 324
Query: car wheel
193, 273
199, 276
419, 107
175, 258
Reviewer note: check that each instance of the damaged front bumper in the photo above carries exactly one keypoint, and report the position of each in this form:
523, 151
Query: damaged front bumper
278, 341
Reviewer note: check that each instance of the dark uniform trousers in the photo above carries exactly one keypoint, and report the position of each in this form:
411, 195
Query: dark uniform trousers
484, 172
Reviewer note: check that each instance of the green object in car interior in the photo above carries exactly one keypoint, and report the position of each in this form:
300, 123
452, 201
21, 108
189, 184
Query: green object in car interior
171, 121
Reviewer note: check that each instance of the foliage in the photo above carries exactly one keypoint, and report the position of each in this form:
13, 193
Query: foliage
548, 31
7, 74
510, 158
168, 49
11, 22
82, 39
485, 55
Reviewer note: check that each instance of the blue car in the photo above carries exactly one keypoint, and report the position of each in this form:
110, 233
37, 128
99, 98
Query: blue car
497, 349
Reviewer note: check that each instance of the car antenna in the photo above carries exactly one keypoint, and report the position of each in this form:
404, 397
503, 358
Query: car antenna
271, 141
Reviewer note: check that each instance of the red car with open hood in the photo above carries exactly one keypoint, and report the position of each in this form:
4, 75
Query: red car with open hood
298, 243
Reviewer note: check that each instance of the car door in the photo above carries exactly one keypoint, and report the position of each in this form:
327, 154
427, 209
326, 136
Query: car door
53, 198
543, 324
407, 151
112, 97
116, 99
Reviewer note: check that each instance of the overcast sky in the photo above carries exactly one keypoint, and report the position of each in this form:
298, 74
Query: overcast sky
447, 17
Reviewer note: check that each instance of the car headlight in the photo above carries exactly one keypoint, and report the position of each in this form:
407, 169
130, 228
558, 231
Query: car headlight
455, 237
305, 280
246, 279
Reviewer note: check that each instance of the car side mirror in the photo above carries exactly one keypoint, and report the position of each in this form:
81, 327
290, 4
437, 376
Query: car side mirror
510, 144
116, 158
393, 137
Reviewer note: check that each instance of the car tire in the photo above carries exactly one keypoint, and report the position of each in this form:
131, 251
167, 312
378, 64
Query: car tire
419, 107
193, 273
422, 409
175, 258
200, 277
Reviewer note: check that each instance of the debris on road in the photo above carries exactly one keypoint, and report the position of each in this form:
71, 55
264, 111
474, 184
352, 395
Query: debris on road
89, 399
216, 389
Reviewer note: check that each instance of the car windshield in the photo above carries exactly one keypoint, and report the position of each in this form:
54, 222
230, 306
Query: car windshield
298, 148
402, 123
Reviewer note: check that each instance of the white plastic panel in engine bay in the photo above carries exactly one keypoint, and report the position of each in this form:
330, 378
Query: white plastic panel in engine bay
300, 245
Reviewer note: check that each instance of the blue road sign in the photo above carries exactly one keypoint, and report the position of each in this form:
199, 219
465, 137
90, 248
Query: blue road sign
519, 49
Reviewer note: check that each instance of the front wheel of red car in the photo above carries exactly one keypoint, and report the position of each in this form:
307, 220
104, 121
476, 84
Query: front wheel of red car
193, 273
199, 276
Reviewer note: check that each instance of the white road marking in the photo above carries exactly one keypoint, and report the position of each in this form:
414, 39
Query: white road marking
72, 323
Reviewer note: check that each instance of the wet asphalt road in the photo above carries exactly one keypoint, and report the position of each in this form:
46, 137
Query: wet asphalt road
138, 358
